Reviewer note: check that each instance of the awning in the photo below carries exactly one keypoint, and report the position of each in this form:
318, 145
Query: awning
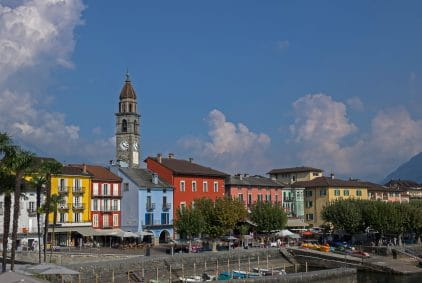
295, 222
84, 231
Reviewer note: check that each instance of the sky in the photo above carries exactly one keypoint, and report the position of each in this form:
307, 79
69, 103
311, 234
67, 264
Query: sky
241, 86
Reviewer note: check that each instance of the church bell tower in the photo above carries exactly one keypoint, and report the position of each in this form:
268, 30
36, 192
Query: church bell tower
127, 127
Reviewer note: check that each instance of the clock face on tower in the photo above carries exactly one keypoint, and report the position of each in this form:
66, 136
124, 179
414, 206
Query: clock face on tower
124, 145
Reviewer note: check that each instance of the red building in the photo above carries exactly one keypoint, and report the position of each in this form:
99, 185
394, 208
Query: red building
105, 197
190, 180
251, 189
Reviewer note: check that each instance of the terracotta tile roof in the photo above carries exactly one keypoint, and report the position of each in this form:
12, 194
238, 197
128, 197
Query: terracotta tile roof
185, 167
329, 182
73, 171
127, 91
300, 169
252, 181
99, 173
143, 178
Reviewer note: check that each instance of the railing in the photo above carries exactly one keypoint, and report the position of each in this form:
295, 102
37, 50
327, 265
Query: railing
150, 206
115, 208
77, 206
31, 212
63, 206
156, 223
287, 199
63, 190
78, 190
166, 206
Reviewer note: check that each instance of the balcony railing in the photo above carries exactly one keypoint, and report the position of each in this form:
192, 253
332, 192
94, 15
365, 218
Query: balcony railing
31, 212
78, 206
150, 206
63, 206
166, 206
115, 208
63, 190
156, 223
78, 190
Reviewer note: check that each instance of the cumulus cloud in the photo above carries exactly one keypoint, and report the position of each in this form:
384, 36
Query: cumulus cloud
231, 147
39, 34
283, 44
355, 103
324, 133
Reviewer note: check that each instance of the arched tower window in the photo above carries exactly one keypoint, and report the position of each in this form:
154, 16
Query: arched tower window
135, 125
130, 107
124, 126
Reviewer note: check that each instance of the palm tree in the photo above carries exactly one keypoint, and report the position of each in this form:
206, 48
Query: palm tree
7, 180
49, 168
38, 181
55, 200
19, 162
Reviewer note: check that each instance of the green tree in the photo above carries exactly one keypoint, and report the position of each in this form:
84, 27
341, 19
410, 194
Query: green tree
38, 181
189, 223
268, 217
53, 206
344, 215
18, 163
48, 168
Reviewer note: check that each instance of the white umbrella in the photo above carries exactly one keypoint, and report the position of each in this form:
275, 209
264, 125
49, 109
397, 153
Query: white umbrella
284, 233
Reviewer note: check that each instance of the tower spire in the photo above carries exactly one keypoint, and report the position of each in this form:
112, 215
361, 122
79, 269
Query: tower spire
127, 75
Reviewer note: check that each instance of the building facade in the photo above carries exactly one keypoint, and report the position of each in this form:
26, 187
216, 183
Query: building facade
295, 174
105, 197
127, 127
409, 189
73, 184
252, 189
293, 201
322, 190
147, 203
190, 180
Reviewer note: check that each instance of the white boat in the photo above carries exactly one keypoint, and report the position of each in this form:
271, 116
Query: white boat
191, 279
269, 272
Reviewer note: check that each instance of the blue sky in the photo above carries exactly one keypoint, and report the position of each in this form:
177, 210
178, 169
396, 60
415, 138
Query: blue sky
335, 85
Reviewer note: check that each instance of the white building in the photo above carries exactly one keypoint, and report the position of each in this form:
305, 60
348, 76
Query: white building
27, 225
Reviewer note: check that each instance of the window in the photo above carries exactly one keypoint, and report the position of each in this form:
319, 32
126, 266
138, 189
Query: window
95, 220
149, 203
259, 197
95, 204
62, 218
165, 202
309, 204
126, 187
105, 190
1, 208
62, 186
346, 192
192, 204
182, 205
115, 205
310, 216
240, 197
268, 198
106, 222
182, 186
249, 198
77, 183
336, 192
124, 126
276, 198
106, 205
323, 192
359, 193
115, 220
149, 219
308, 193
294, 178
130, 107
77, 217
205, 186
31, 206
193, 186
165, 218
95, 189
315, 174
115, 189
215, 187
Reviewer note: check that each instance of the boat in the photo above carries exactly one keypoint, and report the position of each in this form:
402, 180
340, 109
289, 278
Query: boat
239, 274
190, 279
269, 272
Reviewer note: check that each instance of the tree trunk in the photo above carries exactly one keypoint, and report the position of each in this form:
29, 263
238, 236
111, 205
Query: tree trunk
47, 212
16, 208
52, 235
6, 228
38, 222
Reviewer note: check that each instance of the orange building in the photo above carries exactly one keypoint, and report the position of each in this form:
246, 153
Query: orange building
190, 180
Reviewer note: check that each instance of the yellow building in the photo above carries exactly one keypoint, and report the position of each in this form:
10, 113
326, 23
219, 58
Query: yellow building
73, 184
322, 190
295, 174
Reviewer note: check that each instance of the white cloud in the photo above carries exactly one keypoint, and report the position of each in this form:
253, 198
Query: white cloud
39, 34
322, 128
231, 147
355, 103
283, 44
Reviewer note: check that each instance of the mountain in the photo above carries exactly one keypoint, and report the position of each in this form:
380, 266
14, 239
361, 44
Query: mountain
410, 170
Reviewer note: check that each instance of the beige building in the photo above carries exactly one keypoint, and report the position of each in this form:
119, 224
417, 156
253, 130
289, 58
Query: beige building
295, 174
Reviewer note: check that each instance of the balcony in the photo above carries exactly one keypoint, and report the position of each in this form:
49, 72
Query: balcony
1, 211
78, 190
63, 190
31, 212
77, 206
166, 206
115, 208
150, 206
156, 223
63, 206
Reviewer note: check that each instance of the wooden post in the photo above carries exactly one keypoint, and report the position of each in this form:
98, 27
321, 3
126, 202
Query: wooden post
112, 276
258, 262
238, 262
170, 275
62, 278
157, 274
249, 264
183, 271
79, 278
228, 264
272, 270
284, 266
96, 278
306, 266
267, 261
295, 268
217, 268
143, 272
205, 266
194, 269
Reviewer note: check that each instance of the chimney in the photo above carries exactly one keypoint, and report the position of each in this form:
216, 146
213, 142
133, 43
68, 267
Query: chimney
171, 155
332, 175
84, 168
240, 176
190, 159
154, 178
245, 175
159, 158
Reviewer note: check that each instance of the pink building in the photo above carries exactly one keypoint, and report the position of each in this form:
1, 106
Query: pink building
251, 189
387, 194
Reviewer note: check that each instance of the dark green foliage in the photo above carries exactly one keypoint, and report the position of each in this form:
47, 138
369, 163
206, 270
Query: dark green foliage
268, 217
189, 222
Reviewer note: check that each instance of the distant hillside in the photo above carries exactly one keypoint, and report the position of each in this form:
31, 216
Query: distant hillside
410, 170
